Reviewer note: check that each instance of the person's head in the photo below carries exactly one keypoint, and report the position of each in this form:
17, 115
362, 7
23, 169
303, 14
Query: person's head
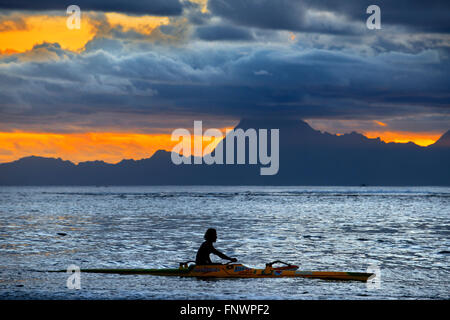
211, 235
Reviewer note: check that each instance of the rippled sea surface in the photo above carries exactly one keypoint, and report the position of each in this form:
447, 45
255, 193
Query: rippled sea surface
405, 231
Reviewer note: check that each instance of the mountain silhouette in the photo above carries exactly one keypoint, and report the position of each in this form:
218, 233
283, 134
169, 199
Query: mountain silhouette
443, 141
306, 157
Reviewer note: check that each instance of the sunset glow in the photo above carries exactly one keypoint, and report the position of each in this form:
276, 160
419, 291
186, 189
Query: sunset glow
113, 147
77, 147
420, 138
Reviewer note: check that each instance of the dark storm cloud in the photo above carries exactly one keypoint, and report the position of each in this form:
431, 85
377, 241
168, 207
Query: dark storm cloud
295, 15
225, 81
223, 33
283, 14
151, 7
430, 16
279, 15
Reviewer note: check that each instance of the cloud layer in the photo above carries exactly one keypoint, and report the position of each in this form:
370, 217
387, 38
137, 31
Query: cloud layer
232, 82
240, 58
328, 15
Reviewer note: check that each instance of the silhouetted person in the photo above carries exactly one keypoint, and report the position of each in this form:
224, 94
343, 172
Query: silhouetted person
207, 248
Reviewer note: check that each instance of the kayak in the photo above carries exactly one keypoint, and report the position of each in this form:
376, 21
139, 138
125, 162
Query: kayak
238, 271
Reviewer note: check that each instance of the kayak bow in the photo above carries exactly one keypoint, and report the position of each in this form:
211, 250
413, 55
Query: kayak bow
238, 271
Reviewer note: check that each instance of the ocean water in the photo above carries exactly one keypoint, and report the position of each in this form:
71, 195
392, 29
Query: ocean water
405, 231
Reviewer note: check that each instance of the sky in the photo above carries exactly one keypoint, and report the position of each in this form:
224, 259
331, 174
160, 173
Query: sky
135, 70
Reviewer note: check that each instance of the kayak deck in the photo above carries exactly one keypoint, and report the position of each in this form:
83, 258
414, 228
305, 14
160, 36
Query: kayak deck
237, 271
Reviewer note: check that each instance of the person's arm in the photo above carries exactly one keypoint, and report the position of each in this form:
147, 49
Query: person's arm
221, 255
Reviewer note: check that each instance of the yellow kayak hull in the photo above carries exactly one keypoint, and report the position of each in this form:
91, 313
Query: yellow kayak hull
238, 271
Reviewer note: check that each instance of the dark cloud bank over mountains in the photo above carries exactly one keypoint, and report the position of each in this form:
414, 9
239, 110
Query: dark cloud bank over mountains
222, 82
307, 157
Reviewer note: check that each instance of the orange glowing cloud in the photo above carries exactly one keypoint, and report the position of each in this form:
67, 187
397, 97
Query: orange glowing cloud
141, 24
37, 29
381, 124
78, 147
42, 28
8, 51
292, 36
203, 4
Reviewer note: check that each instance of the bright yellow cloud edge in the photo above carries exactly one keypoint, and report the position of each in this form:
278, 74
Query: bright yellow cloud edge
38, 29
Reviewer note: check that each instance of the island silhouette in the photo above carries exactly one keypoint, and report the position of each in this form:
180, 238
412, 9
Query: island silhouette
307, 157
